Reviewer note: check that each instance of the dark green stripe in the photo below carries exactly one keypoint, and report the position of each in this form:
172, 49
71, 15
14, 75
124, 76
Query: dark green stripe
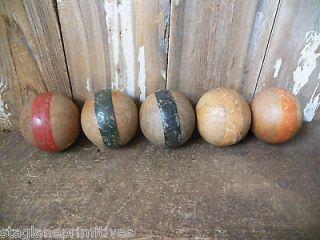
106, 119
170, 118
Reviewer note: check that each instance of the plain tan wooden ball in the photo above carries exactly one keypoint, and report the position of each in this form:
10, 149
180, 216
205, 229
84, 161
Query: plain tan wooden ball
277, 115
223, 117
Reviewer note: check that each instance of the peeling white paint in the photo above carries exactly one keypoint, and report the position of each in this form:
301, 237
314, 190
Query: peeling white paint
277, 67
312, 106
166, 22
259, 19
3, 113
259, 15
112, 21
142, 74
1, 107
88, 84
257, 30
125, 10
307, 62
119, 21
164, 75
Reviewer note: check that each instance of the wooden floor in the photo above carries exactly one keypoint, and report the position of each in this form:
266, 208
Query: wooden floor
249, 191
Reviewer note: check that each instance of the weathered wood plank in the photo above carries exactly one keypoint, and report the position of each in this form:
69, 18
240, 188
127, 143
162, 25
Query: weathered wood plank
31, 55
85, 37
218, 43
292, 60
118, 44
153, 38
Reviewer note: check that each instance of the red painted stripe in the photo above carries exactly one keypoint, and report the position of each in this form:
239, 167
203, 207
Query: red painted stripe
41, 126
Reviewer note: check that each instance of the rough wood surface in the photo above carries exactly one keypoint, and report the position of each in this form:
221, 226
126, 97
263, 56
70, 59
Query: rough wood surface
249, 191
31, 55
118, 44
218, 43
292, 60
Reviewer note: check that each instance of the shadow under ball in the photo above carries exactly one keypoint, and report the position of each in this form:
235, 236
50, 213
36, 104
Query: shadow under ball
276, 115
167, 118
50, 122
223, 117
109, 118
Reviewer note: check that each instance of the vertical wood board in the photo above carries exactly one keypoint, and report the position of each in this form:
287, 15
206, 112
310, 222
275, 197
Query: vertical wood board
292, 60
218, 43
118, 44
31, 55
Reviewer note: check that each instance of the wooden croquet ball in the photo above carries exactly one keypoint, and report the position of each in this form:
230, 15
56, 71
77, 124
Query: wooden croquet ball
50, 121
109, 118
167, 118
276, 115
223, 117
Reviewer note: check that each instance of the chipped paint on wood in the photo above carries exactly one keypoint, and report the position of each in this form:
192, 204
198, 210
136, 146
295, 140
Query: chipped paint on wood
164, 43
127, 41
312, 106
3, 113
258, 29
112, 21
88, 84
307, 62
277, 67
142, 74
164, 75
119, 21
5, 122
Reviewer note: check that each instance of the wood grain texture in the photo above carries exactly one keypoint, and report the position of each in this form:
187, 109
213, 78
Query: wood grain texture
292, 60
153, 32
218, 43
85, 39
31, 55
118, 44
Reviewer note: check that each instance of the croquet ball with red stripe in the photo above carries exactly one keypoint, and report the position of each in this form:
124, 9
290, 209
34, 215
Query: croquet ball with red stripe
276, 115
109, 118
50, 121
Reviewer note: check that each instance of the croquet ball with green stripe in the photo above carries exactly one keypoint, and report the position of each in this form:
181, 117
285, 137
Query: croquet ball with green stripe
167, 118
109, 118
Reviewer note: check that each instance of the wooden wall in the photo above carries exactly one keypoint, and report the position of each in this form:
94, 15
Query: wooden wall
78, 47
218, 43
115, 44
292, 60
31, 55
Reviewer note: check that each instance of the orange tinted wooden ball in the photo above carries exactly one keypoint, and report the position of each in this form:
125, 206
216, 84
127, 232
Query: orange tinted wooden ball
50, 121
276, 115
223, 117
110, 118
167, 118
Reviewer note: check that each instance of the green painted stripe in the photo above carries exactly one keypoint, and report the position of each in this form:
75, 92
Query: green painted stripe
170, 118
106, 119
